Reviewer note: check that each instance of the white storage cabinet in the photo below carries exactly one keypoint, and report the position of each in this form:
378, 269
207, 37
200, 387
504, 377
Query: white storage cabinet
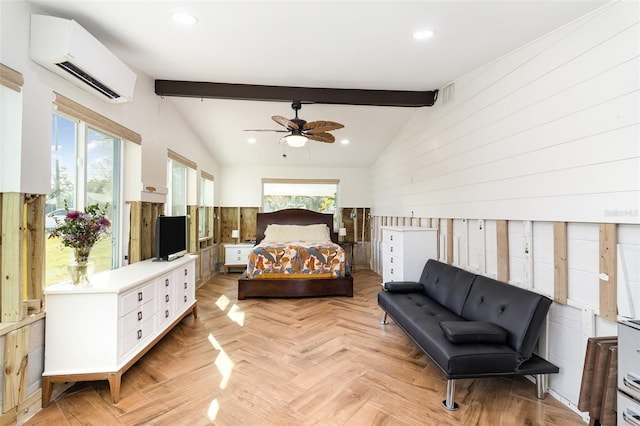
405, 251
98, 331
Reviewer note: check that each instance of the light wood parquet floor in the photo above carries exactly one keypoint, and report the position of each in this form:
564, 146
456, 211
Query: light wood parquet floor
324, 361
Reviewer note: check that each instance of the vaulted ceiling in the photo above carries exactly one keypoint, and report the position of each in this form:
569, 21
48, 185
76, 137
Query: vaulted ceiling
364, 45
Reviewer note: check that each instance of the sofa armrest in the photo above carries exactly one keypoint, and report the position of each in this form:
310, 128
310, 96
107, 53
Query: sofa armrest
403, 287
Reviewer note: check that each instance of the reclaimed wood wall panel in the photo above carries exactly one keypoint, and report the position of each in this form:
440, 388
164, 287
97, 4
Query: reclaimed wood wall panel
560, 263
16, 351
608, 271
12, 218
502, 245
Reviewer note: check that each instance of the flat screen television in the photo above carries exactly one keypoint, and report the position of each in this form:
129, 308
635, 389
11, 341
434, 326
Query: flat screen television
171, 237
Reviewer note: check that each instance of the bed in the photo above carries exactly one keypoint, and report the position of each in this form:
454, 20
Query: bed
332, 281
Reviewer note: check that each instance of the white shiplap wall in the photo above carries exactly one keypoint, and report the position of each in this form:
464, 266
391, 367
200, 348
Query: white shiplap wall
549, 132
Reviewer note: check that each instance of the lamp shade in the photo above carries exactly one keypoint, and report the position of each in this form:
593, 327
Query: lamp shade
342, 232
296, 141
235, 233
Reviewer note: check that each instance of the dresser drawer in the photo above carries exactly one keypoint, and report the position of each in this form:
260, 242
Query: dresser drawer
164, 314
138, 297
629, 359
628, 411
392, 237
392, 271
184, 289
133, 319
139, 334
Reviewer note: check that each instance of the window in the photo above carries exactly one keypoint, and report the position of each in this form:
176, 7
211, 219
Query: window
205, 228
177, 197
181, 182
316, 195
85, 170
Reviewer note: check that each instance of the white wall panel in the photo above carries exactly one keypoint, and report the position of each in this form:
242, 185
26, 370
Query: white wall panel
557, 119
566, 350
543, 258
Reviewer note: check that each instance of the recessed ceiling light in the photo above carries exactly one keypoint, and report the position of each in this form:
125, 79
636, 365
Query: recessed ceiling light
423, 34
344, 141
251, 140
184, 18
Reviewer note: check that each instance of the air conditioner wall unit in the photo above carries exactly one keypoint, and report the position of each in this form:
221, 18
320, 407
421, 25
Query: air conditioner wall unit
65, 48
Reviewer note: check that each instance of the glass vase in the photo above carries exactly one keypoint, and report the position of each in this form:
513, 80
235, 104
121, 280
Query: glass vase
80, 268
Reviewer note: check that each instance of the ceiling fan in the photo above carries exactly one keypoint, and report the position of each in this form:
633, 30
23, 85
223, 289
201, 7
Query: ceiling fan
300, 131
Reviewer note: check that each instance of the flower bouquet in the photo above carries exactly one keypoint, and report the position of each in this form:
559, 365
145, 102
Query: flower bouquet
80, 231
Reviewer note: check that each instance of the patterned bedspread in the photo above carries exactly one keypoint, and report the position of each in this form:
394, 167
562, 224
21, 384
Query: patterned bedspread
296, 259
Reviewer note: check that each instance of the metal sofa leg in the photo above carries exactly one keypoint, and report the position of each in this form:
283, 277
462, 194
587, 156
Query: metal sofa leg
449, 403
541, 385
383, 320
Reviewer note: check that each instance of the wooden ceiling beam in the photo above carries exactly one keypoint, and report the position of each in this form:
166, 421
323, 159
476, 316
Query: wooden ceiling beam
196, 89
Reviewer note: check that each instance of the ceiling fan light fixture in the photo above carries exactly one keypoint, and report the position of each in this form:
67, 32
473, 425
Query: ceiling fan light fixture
296, 141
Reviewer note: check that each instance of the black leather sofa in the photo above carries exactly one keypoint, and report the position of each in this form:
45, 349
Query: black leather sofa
471, 326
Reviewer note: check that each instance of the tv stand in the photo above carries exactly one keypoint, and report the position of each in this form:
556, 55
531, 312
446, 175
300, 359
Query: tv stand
98, 331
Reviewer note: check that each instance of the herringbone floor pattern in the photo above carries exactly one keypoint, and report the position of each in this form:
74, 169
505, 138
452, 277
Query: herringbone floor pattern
322, 361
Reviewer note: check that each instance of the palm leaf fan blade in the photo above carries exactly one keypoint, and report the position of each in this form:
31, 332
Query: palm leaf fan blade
315, 127
321, 137
283, 121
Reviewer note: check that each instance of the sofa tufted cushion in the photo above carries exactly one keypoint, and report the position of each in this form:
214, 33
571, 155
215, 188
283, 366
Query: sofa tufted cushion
473, 332
446, 284
520, 312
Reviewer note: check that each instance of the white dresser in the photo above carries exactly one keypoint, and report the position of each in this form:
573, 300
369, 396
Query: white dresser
405, 251
98, 331
236, 255
629, 373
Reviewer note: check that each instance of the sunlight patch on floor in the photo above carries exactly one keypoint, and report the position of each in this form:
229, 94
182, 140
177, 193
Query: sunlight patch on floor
223, 362
236, 315
214, 407
222, 302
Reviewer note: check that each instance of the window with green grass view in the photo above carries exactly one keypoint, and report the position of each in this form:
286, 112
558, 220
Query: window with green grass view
84, 171
319, 196
177, 184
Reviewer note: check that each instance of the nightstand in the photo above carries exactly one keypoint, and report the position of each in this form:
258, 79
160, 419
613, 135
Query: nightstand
236, 256
348, 246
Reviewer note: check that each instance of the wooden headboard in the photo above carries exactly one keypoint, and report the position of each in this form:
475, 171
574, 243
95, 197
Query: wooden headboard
293, 217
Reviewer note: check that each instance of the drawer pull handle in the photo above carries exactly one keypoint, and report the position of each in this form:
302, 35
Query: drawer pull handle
166, 298
139, 334
166, 282
185, 298
631, 417
391, 237
391, 271
166, 313
140, 316
185, 271
391, 260
139, 296
391, 249
185, 285
632, 382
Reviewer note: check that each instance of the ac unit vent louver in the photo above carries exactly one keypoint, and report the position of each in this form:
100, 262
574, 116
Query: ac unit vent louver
72, 69
65, 48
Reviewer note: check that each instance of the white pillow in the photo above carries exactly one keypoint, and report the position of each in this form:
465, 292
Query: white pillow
280, 233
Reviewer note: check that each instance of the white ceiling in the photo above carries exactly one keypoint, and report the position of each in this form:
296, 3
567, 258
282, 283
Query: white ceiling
334, 44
